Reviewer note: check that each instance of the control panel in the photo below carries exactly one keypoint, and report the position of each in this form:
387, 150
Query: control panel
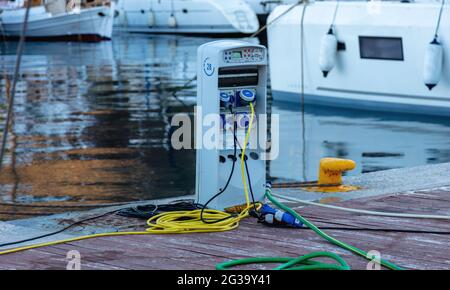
237, 90
231, 82
242, 55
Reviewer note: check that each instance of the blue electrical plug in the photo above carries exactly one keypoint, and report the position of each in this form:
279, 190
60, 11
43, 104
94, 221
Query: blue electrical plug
273, 216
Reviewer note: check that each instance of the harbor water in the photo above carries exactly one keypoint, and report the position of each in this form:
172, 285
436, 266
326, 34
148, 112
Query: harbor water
92, 122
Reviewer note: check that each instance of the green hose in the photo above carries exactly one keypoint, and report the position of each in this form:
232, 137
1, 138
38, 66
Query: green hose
300, 263
305, 262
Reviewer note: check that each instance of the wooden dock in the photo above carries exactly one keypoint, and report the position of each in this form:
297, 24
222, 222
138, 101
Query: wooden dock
204, 251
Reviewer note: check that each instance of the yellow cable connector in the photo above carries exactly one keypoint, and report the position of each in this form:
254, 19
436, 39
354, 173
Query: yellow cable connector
240, 208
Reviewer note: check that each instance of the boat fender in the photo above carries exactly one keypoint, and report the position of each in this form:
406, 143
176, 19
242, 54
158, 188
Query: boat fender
151, 18
172, 21
328, 52
432, 69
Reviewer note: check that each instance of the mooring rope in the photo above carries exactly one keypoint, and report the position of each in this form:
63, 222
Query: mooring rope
13, 87
302, 79
276, 18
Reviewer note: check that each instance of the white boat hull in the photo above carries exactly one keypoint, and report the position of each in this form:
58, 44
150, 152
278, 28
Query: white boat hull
357, 81
192, 17
92, 24
264, 7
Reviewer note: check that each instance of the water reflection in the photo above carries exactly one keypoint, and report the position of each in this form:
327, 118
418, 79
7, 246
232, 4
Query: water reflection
92, 125
92, 122
376, 141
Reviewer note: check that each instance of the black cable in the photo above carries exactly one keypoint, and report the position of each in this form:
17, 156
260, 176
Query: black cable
149, 210
167, 207
144, 211
250, 185
58, 231
228, 181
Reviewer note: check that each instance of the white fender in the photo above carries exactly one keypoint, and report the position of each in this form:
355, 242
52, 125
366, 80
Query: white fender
150, 18
172, 21
328, 52
432, 69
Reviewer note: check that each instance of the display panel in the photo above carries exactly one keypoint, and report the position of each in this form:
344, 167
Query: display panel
236, 54
241, 55
388, 48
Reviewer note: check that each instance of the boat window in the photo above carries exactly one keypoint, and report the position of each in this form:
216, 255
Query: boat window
389, 48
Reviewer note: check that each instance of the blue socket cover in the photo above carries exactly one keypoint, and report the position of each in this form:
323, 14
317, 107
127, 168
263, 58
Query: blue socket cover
225, 97
247, 96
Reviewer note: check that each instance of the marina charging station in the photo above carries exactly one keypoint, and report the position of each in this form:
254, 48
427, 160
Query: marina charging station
230, 75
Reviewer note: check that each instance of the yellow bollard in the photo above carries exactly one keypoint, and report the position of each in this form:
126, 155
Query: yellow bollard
330, 173
330, 170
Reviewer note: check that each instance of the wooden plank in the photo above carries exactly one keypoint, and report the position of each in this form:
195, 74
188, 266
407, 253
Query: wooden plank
204, 251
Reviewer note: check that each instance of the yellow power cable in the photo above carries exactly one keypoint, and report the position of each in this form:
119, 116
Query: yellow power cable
244, 147
176, 222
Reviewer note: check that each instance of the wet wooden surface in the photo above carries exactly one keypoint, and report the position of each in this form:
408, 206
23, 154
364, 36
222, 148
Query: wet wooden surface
204, 251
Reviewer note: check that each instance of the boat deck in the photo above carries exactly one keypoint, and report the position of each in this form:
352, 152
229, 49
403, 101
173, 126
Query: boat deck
204, 251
